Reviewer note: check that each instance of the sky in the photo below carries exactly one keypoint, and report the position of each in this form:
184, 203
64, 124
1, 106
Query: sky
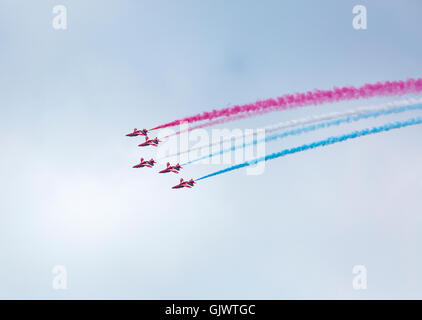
69, 196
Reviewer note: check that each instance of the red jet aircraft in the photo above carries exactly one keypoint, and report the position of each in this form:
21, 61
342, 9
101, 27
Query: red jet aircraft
137, 132
150, 142
184, 184
174, 169
145, 163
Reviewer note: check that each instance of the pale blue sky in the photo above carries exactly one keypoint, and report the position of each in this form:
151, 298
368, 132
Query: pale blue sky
70, 197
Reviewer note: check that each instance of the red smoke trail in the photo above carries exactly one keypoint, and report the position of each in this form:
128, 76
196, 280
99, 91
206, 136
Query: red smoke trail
220, 121
316, 97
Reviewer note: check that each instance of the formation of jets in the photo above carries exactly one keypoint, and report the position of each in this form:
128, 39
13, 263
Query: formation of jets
150, 163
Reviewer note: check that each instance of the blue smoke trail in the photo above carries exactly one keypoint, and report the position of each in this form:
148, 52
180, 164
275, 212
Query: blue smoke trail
321, 143
327, 124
